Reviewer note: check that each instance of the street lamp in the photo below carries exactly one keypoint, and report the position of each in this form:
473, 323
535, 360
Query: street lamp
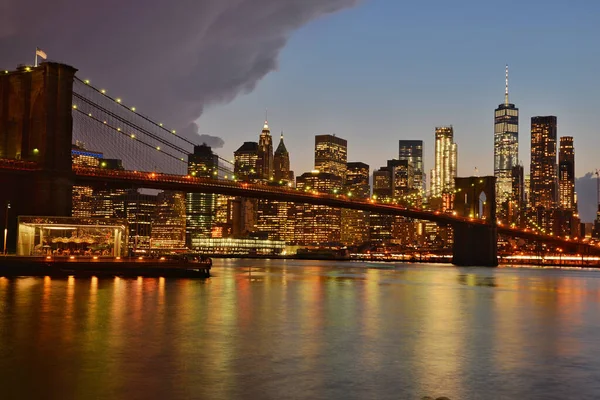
6, 224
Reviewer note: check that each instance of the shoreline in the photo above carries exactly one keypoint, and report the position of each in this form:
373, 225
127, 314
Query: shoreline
12, 266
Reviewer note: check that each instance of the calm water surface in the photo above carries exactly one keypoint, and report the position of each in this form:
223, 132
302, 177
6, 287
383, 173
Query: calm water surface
261, 329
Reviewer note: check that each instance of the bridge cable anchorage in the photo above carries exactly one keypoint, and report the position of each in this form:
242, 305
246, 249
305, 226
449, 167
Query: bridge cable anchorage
132, 109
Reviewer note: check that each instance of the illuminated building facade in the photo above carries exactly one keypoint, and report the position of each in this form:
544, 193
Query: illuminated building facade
543, 162
543, 168
83, 195
412, 151
517, 205
246, 162
281, 164
506, 149
446, 162
567, 213
200, 207
275, 219
331, 154
566, 173
317, 224
264, 162
168, 226
355, 222
381, 225
139, 210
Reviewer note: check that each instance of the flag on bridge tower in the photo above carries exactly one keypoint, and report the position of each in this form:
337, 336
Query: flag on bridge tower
39, 53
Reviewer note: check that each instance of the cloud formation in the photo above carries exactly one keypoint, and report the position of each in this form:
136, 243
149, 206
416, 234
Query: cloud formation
169, 59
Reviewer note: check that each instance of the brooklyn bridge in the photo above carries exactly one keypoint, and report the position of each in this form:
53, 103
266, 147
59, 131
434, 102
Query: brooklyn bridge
44, 110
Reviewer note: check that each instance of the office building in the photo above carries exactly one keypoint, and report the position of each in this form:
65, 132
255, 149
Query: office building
281, 164
264, 162
168, 225
331, 154
543, 163
317, 224
506, 149
200, 208
246, 162
544, 178
566, 173
412, 151
446, 162
516, 205
355, 222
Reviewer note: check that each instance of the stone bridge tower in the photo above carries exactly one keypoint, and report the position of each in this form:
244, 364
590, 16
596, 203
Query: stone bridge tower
476, 245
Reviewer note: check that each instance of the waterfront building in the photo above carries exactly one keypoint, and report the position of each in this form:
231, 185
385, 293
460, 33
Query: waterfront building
281, 164
139, 210
446, 164
246, 161
381, 225
412, 151
275, 219
318, 224
544, 191
516, 206
331, 154
567, 198
83, 196
355, 222
506, 150
168, 226
264, 161
200, 208
566, 173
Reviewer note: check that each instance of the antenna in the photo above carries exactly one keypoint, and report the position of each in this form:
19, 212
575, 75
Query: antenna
506, 87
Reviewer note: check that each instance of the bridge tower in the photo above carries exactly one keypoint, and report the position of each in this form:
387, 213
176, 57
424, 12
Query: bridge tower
36, 125
476, 244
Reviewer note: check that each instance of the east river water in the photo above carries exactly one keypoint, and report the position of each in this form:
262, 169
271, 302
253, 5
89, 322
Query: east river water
261, 329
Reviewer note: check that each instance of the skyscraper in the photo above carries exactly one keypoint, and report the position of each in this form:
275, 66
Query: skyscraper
316, 224
506, 147
355, 222
246, 161
543, 162
331, 154
264, 162
446, 162
566, 173
168, 226
200, 207
412, 151
281, 164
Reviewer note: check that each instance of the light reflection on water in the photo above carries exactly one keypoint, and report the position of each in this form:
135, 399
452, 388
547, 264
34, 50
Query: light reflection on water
304, 329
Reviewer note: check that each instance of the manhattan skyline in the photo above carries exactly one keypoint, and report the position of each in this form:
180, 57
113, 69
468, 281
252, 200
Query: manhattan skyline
373, 72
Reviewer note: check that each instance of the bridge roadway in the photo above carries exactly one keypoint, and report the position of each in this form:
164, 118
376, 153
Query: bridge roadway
99, 177
190, 184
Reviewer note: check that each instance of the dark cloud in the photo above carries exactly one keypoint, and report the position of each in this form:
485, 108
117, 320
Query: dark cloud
169, 59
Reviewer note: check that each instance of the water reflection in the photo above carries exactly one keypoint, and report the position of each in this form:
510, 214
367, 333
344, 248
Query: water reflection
297, 329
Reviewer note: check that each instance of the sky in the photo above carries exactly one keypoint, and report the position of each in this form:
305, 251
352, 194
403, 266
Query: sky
388, 70
370, 71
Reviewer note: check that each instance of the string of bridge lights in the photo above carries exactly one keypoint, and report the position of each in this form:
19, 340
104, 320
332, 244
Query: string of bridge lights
119, 130
132, 109
136, 138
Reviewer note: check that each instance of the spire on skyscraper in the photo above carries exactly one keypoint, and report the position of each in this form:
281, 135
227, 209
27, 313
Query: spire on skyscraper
506, 87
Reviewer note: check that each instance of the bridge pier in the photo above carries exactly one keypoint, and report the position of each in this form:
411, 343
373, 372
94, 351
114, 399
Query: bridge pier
36, 126
475, 245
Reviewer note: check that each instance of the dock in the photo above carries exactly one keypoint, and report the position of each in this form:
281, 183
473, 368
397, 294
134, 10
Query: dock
103, 266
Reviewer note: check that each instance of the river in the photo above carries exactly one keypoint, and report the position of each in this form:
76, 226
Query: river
273, 329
